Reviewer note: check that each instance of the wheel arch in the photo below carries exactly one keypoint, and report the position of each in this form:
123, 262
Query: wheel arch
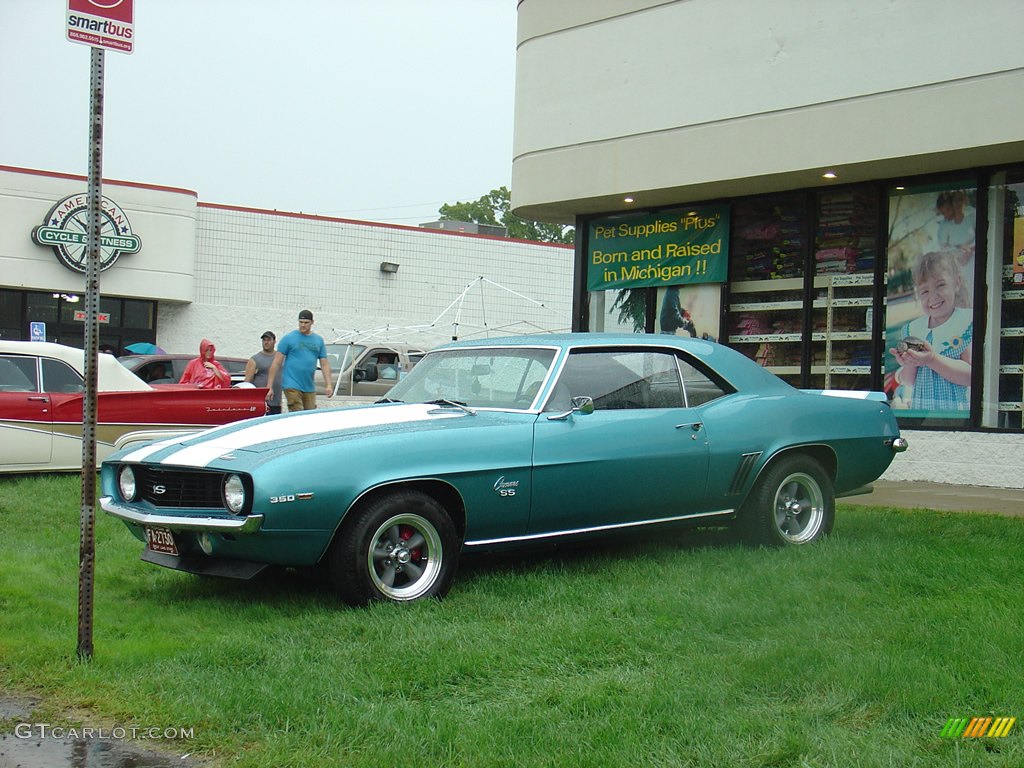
823, 454
442, 492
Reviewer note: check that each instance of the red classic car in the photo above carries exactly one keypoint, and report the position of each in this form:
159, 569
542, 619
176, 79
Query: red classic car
41, 392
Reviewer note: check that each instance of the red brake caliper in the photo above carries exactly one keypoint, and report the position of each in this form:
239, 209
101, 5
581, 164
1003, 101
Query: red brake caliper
405, 532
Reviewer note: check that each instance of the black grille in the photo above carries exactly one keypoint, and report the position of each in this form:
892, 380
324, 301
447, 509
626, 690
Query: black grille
180, 488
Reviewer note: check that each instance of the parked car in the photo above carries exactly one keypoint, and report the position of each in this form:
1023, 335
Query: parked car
168, 369
498, 443
367, 369
41, 392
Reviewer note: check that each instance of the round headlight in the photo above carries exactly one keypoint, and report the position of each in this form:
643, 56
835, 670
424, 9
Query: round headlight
126, 483
234, 494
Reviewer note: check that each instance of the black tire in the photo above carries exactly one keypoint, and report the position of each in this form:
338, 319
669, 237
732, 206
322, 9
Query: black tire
400, 547
791, 504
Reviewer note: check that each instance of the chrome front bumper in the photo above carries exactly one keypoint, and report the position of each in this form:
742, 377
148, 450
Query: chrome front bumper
248, 524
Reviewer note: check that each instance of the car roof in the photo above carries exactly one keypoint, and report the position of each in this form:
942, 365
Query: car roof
739, 369
112, 376
175, 356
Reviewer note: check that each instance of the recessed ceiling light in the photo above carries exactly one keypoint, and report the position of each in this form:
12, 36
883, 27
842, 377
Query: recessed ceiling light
829, 175
627, 199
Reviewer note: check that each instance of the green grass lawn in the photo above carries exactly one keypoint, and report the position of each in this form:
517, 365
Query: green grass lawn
676, 650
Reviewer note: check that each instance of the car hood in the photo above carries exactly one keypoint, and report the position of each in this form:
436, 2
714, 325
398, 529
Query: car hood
295, 431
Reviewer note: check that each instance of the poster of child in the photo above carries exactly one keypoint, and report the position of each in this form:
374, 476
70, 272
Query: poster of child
930, 292
690, 310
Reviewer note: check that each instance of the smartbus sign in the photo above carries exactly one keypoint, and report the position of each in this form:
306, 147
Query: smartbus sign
102, 24
66, 230
690, 245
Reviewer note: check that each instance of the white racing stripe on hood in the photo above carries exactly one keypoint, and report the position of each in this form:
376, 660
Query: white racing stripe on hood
310, 424
146, 451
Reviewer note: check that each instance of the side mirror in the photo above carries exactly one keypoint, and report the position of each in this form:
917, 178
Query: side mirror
583, 405
366, 372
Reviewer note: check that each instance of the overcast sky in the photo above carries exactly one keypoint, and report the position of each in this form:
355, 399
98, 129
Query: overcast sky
369, 109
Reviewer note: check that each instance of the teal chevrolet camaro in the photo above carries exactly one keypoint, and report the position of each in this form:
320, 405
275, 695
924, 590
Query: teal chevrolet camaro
499, 443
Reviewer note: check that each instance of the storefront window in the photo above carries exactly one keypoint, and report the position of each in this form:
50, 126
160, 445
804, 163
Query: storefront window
10, 315
930, 302
42, 307
766, 291
1003, 401
623, 311
112, 309
690, 310
70, 304
845, 253
138, 314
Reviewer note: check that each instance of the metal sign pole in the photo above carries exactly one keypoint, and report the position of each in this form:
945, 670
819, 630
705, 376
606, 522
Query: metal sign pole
87, 538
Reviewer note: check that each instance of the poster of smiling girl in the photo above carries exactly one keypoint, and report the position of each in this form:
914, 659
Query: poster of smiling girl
930, 298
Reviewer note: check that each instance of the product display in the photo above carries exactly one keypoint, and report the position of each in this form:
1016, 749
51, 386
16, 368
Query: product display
768, 291
1011, 353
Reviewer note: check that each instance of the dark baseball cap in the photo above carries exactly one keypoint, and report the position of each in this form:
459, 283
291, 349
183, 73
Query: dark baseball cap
305, 315
268, 335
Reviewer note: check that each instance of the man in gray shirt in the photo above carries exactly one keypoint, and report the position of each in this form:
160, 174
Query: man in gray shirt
258, 368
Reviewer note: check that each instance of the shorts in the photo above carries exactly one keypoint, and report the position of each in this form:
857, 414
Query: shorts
299, 401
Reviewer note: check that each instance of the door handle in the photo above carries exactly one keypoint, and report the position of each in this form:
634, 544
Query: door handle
695, 426
38, 399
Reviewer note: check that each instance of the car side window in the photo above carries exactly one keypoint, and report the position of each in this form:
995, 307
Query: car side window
386, 362
18, 374
698, 386
59, 377
620, 379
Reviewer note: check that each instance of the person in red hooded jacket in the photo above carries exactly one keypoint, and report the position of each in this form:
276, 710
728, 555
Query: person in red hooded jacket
204, 371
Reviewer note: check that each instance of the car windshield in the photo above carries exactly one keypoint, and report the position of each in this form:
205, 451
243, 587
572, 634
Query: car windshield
507, 377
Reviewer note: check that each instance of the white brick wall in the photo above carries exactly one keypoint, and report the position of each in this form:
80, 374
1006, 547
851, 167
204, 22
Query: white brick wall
965, 458
255, 270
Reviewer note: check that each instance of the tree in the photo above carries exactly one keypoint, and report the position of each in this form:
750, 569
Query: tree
493, 209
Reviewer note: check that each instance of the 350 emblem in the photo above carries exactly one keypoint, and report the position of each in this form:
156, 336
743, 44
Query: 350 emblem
282, 499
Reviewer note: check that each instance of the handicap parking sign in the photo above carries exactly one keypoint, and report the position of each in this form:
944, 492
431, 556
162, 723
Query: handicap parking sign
37, 331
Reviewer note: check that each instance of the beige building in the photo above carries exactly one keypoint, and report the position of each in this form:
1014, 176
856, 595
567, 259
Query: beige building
793, 174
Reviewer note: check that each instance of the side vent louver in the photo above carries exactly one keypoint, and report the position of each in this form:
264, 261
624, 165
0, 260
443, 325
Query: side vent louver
747, 462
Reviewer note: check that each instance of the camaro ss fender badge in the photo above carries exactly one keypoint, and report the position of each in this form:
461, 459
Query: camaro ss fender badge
289, 497
505, 487
66, 230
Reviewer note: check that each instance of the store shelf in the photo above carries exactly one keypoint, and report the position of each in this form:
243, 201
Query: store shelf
1011, 347
864, 301
767, 306
765, 338
842, 336
763, 286
842, 281
842, 370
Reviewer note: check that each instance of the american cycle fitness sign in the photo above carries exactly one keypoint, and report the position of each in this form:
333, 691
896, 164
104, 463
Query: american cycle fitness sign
66, 231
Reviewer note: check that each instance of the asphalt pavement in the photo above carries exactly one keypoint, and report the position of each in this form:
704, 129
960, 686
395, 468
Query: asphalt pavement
942, 496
